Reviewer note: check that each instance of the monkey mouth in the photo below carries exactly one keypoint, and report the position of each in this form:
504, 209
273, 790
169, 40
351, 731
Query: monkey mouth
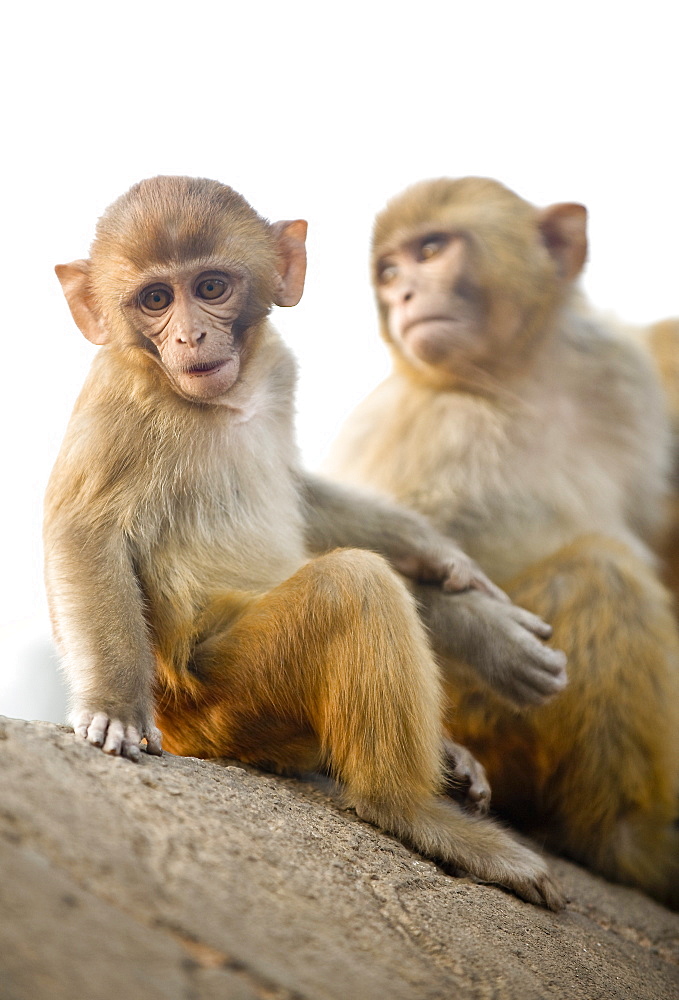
424, 320
204, 368
206, 380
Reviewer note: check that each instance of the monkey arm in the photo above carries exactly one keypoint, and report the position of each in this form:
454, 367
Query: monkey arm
97, 609
339, 516
501, 642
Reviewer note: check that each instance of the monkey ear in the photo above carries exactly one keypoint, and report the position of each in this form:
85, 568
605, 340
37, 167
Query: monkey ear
564, 233
290, 238
74, 282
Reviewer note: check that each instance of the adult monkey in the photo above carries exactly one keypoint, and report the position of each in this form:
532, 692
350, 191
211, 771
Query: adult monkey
528, 432
179, 530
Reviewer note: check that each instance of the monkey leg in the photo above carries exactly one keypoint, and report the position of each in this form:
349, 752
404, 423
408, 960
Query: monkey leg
596, 769
332, 667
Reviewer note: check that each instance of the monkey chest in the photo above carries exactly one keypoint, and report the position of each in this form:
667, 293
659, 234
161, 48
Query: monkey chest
239, 538
510, 486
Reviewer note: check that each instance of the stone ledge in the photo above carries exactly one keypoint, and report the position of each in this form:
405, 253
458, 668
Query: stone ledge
185, 879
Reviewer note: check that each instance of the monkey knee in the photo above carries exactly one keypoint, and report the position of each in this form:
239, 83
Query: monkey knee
359, 572
587, 576
610, 558
383, 650
614, 562
355, 562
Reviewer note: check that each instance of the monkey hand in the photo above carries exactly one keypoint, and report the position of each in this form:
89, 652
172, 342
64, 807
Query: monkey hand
466, 780
513, 660
117, 737
500, 641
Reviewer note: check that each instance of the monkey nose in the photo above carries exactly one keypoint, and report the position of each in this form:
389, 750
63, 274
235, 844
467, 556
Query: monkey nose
192, 339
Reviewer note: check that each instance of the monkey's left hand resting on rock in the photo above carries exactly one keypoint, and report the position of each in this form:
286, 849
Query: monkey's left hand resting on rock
188, 559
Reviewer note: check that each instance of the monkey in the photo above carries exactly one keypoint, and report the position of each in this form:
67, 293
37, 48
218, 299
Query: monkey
537, 438
210, 596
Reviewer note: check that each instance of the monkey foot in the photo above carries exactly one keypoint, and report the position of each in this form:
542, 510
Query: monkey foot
116, 737
466, 780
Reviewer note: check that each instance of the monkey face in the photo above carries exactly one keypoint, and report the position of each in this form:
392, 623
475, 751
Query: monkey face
434, 311
466, 274
189, 318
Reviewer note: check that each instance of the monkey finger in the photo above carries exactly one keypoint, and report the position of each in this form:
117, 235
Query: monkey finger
544, 891
96, 731
477, 796
550, 663
533, 673
154, 741
556, 660
114, 737
530, 879
130, 744
81, 723
479, 799
457, 576
538, 685
532, 623
466, 779
527, 693
481, 582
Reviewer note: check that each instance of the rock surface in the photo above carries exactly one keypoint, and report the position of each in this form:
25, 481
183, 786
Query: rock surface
183, 879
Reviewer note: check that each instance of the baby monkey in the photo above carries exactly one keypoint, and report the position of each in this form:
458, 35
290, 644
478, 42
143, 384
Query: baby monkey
203, 587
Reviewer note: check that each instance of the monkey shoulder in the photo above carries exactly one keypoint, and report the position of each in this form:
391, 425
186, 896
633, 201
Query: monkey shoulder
620, 439
604, 349
615, 387
436, 451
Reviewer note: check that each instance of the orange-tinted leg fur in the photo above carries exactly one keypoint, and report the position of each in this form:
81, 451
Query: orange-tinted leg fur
332, 668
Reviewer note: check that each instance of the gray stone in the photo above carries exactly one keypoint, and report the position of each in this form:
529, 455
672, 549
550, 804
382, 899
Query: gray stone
183, 879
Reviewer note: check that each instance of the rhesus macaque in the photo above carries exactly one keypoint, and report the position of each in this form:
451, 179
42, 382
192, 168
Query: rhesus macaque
194, 578
536, 438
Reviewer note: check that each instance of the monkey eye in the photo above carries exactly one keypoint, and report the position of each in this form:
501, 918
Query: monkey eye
211, 288
386, 272
432, 245
155, 299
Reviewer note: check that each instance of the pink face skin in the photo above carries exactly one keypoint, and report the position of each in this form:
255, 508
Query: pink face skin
189, 318
434, 312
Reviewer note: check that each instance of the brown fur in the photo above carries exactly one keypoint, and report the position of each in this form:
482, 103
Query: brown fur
191, 565
537, 438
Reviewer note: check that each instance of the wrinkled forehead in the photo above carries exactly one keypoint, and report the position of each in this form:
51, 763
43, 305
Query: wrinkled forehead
174, 240
478, 210
174, 222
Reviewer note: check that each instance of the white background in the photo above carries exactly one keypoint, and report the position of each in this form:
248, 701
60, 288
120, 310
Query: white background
310, 110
